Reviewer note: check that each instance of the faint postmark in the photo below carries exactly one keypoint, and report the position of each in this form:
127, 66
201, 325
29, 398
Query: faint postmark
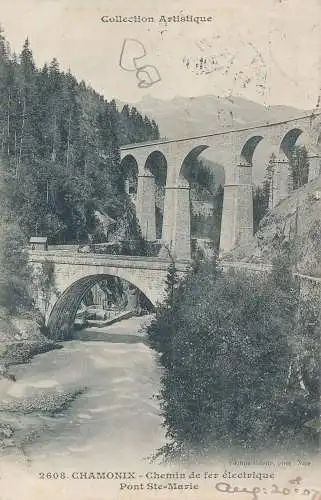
216, 58
132, 53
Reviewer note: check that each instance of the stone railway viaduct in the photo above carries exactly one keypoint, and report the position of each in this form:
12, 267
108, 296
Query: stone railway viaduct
76, 273
234, 150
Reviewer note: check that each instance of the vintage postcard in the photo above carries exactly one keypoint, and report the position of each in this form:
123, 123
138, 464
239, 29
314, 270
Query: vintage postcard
160, 249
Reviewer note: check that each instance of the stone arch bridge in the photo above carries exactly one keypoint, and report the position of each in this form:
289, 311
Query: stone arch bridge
76, 273
233, 148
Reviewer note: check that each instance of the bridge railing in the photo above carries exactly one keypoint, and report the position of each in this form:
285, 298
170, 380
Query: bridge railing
101, 260
257, 267
73, 251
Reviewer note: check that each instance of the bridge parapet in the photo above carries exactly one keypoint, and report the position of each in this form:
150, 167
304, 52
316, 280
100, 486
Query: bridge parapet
93, 259
266, 268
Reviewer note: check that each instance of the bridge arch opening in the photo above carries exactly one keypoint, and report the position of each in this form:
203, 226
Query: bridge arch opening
296, 149
200, 184
156, 164
129, 168
78, 296
251, 150
289, 141
248, 150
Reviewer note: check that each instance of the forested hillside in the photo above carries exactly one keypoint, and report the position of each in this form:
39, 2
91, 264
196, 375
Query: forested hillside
59, 145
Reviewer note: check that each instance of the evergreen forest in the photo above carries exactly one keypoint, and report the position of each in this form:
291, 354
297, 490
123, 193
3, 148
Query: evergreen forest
59, 147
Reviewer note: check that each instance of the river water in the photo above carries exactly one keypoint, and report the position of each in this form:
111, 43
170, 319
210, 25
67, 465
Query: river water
113, 424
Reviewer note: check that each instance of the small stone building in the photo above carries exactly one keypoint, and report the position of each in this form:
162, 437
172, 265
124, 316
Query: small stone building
38, 243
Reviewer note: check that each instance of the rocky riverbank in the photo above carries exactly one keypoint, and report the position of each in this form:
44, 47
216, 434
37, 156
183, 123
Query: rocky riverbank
20, 340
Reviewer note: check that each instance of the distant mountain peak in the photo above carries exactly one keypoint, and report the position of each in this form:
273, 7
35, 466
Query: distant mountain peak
197, 115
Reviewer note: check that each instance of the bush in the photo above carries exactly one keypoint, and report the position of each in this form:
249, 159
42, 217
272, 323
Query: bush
231, 362
15, 276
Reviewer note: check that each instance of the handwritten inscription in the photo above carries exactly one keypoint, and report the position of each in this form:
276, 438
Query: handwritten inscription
295, 490
131, 53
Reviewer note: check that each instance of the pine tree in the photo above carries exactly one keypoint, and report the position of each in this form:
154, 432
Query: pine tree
269, 181
171, 282
299, 164
155, 130
217, 215
15, 274
4, 56
260, 205
26, 59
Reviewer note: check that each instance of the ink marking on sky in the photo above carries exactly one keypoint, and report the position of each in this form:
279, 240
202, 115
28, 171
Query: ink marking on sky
132, 51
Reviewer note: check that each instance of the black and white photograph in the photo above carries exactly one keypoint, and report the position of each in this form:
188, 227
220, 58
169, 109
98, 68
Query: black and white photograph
160, 249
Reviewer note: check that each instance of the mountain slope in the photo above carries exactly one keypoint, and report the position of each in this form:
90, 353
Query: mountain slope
294, 223
190, 116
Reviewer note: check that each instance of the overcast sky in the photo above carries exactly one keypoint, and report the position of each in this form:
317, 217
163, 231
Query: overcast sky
264, 50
